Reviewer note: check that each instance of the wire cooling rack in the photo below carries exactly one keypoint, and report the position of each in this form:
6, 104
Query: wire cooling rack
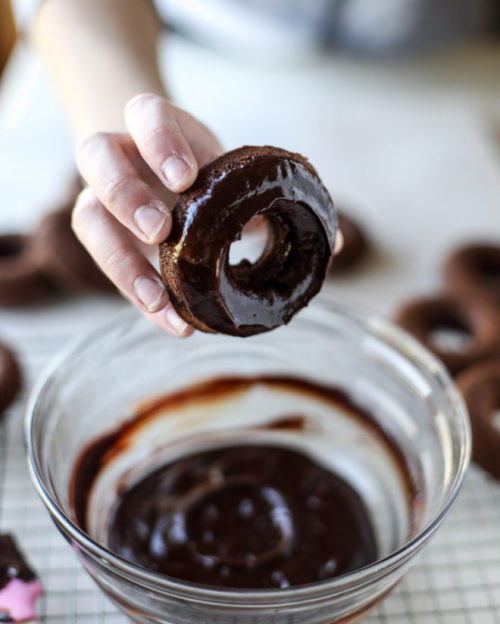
456, 579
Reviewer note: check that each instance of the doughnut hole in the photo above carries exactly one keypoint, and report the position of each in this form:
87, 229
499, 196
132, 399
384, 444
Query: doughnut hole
255, 239
451, 334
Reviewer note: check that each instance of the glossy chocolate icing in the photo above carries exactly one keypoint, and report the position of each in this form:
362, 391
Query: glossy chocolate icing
247, 298
245, 516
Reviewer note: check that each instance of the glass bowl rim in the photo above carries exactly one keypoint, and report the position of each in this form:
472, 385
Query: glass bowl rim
373, 324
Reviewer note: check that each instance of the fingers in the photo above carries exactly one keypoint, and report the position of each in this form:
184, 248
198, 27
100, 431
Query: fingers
106, 168
152, 124
112, 248
171, 141
167, 146
172, 144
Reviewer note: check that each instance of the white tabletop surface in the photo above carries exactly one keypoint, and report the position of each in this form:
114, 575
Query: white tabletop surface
409, 147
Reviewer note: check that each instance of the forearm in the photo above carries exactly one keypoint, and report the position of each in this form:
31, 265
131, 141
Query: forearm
100, 53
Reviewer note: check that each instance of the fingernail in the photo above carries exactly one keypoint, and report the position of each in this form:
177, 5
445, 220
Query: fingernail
174, 320
150, 292
175, 170
150, 219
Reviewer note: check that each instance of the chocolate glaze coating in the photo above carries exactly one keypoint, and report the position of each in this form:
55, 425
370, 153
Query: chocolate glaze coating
480, 386
10, 377
421, 317
248, 298
245, 516
22, 280
474, 271
355, 245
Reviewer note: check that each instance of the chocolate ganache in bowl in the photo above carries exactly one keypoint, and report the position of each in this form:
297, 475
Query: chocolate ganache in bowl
287, 477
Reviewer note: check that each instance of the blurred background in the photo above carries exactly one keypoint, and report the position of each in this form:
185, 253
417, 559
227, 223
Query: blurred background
396, 103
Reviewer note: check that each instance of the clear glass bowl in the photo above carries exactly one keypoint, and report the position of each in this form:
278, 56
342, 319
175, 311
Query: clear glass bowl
96, 384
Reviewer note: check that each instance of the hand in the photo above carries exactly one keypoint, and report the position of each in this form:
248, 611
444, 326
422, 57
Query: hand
132, 182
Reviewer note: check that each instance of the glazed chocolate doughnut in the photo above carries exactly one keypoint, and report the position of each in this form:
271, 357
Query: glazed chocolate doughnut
22, 280
480, 386
10, 377
477, 322
247, 299
474, 271
354, 246
64, 259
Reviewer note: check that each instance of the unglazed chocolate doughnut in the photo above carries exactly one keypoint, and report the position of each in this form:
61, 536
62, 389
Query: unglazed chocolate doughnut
479, 322
474, 271
22, 280
354, 244
246, 298
480, 386
63, 258
10, 377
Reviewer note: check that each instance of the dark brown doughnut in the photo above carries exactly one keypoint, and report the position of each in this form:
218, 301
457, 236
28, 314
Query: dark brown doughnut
22, 280
480, 386
247, 299
422, 317
474, 271
355, 244
10, 377
64, 259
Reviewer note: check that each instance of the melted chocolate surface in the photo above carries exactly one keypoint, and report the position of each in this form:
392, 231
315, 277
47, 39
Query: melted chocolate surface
253, 516
247, 516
